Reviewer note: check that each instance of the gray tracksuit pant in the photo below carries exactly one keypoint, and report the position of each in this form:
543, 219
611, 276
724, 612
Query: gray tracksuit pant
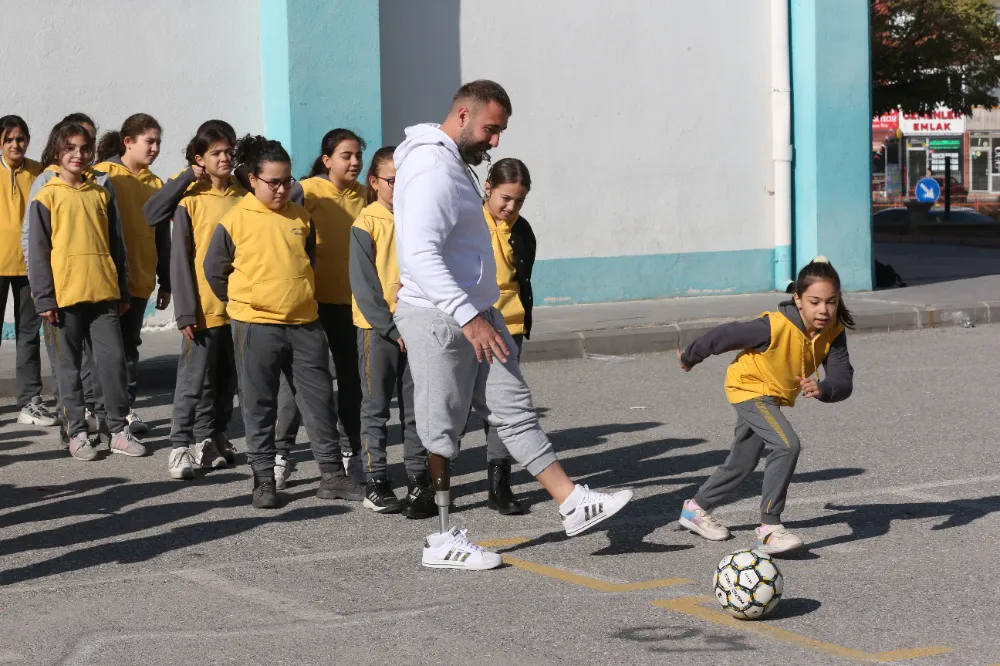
206, 386
100, 322
27, 325
341, 334
93, 395
384, 372
759, 425
263, 353
448, 381
132, 339
495, 450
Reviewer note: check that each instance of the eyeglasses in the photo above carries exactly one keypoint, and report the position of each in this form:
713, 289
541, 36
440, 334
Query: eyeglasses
390, 181
273, 185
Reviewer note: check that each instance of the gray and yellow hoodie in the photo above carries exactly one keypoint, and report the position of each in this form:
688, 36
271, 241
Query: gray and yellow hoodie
15, 187
77, 253
374, 270
776, 350
260, 263
196, 208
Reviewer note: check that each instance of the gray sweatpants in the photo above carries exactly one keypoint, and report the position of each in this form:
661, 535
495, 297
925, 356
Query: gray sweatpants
263, 353
384, 372
759, 425
100, 322
342, 336
132, 338
93, 394
206, 386
495, 450
27, 324
448, 381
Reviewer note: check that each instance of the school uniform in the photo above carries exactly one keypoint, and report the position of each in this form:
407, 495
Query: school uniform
15, 185
514, 253
206, 368
382, 365
260, 263
333, 212
148, 254
759, 383
93, 394
77, 266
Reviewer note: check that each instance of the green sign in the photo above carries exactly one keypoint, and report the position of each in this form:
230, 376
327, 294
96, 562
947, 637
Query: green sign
945, 144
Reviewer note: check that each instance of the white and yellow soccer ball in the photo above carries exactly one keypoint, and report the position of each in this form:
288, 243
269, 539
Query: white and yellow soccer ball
748, 584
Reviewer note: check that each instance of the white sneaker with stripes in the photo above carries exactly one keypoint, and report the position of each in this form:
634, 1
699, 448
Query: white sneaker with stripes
592, 508
453, 550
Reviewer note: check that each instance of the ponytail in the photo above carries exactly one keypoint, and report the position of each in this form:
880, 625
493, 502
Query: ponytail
112, 144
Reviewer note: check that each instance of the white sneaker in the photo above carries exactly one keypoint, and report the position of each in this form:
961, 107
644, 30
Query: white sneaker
207, 456
283, 468
93, 425
453, 550
179, 464
35, 413
135, 424
701, 522
592, 508
774, 539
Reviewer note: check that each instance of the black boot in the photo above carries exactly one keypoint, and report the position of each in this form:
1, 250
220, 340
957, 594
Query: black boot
501, 497
419, 502
337, 485
264, 494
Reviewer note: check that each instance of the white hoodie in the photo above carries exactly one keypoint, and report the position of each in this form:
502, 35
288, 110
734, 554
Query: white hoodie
442, 241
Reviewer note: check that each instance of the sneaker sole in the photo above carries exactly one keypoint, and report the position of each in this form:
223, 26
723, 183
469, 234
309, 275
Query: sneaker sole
368, 504
84, 459
332, 495
126, 453
688, 525
463, 565
777, 551
182, 475
604, 516
27, 419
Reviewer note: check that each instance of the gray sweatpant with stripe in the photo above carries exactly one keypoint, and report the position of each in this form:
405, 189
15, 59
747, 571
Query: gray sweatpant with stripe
206, 386
385, 372
265, 352
448, 380
760, 425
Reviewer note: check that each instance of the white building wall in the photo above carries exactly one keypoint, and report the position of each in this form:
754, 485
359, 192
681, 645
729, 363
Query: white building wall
182, 61
646, 124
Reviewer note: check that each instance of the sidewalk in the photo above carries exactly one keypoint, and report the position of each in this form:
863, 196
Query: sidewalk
948, 286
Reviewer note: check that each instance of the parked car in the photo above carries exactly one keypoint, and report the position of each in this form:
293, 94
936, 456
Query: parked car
958, 191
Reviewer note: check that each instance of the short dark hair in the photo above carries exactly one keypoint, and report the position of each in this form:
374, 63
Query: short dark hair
8, 123
484, 91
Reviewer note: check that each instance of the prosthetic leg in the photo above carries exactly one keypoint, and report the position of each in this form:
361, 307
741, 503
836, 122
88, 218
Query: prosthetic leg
441, 479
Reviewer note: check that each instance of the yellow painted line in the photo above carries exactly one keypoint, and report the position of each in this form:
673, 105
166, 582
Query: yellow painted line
575, 578
694, 606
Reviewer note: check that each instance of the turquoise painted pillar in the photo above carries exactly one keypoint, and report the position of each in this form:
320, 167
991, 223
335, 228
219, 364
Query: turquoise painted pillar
831, 116
320, 69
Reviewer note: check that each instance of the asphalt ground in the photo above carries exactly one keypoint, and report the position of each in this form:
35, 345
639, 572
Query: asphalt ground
896, 495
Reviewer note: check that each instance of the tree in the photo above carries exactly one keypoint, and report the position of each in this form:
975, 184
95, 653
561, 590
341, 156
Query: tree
930, 53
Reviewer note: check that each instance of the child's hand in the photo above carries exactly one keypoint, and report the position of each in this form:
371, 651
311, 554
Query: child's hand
402, 345
123, 307
810, 389
162, 300
189, 332
199, 172
680, 359
51, 316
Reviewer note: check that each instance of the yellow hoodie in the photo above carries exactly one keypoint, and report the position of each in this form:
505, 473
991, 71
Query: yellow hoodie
509, 304
14, 194
272, 280
376, 221
132, 191
74, 224
333, 211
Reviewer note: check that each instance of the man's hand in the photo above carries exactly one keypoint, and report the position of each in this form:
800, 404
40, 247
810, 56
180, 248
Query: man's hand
162, 300
810, 389
402, 345
189, 331
51, 316
123, 307
680, 359
486, 340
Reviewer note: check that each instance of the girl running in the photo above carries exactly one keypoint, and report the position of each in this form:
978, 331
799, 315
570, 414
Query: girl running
260, 263
382, 352
780, 351
18, 173
334, 199
507, 186
196, 200
126, 157
73, 231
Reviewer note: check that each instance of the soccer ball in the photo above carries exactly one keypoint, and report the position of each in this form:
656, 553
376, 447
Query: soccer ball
748, 584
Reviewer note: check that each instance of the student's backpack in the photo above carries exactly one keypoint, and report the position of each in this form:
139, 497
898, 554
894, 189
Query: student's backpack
886, 276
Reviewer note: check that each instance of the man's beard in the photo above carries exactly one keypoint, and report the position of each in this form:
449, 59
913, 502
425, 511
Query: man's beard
472, 153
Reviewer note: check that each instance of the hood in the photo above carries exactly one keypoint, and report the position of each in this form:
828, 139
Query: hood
426, 134
791, 313
353, 191
56, 181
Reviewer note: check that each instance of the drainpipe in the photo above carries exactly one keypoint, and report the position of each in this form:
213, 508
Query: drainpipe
781, 143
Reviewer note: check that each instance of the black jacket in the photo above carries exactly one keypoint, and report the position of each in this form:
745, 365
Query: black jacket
522, 242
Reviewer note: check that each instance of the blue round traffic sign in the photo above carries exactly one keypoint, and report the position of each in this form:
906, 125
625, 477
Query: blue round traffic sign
927, 190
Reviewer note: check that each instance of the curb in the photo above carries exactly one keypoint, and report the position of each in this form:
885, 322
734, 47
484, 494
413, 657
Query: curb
159, 373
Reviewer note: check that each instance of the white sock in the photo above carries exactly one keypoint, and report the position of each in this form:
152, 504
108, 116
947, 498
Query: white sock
572, 501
